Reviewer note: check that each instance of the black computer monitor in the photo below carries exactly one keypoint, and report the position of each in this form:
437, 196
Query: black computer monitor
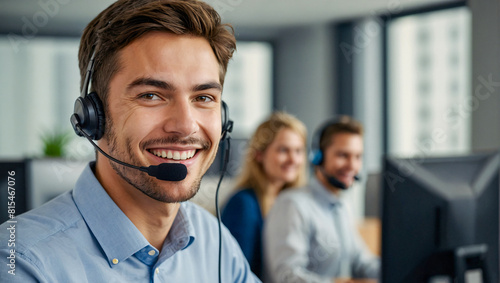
440, 218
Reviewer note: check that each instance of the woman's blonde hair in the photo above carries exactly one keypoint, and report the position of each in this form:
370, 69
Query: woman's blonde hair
253, 175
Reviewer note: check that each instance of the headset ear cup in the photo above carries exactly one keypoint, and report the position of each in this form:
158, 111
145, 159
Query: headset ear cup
78, 118
317, 157
99, 115
89, 116
227, 124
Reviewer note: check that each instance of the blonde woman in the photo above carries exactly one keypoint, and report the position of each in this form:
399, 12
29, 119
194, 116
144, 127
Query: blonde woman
275, 160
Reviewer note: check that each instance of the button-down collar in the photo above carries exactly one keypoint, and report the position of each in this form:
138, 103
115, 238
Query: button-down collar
116, 234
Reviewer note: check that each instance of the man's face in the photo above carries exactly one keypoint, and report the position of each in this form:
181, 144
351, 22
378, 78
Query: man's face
343, 158
164, 106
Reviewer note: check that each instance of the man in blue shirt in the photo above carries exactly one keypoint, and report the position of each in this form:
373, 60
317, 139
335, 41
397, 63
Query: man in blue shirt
156, 69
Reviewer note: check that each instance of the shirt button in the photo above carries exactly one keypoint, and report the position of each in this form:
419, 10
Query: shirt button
157, 270
115, 261
152, 252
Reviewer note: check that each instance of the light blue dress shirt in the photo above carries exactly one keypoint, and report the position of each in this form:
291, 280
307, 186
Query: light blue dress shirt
82, 236
310, 236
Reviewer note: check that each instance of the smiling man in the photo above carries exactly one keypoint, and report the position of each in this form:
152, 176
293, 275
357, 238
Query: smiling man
156, 70
310, 235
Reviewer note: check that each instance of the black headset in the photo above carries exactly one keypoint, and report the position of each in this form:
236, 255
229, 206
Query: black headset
89, 111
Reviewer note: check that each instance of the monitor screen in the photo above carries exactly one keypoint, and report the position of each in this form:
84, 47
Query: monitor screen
440, 218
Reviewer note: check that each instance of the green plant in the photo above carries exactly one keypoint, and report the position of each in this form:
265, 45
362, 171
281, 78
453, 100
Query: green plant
54, 143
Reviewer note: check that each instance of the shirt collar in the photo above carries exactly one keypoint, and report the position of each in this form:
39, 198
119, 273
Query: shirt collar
116, 234
182, 231
180, 236
322, 194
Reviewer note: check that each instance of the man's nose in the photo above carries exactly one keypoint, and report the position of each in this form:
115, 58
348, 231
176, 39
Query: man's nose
180, 118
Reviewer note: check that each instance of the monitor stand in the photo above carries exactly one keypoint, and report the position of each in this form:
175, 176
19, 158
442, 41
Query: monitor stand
471, 258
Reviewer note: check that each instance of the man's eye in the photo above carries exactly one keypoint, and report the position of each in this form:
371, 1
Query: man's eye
341, 155
204, 98
149, 96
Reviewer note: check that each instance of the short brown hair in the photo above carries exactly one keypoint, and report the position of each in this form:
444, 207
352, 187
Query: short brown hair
126, 20
343, 124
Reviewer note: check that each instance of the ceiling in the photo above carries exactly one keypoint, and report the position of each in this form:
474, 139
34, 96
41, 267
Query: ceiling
71, 16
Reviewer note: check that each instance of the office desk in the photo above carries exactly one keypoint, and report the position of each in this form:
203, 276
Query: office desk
355, 281
370, 231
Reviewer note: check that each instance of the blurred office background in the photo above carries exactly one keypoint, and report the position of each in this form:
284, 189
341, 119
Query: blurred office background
422, 75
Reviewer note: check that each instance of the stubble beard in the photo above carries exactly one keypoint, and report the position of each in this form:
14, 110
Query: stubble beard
146, 184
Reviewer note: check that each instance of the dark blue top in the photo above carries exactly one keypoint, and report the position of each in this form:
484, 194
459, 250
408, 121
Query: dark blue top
243, 217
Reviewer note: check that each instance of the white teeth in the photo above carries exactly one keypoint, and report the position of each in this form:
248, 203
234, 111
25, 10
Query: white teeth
175, 155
